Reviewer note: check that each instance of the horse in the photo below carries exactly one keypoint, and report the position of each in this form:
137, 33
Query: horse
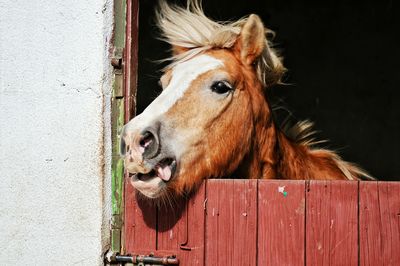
213, 118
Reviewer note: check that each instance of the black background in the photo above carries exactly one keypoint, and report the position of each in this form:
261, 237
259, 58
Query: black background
343, 61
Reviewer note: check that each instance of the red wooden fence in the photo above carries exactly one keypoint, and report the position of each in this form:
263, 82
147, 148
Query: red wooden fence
264, 222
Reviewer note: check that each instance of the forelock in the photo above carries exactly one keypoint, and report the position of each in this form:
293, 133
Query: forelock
189, 28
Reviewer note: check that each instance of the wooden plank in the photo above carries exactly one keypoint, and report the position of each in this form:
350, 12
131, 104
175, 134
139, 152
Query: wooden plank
331, 228
192, 240
140, 223
281, 222
245, 222
219, 222
131, 58
379, 223
171, 221
181, 229
117, 163
231, 222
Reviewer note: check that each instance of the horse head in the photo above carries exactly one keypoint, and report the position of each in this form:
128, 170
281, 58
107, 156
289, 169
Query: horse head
212, 118
202, 124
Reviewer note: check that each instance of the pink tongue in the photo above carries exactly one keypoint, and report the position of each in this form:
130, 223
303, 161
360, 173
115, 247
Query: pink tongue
164, 172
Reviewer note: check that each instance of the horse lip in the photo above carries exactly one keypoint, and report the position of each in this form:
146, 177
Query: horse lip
132, 175
152, 171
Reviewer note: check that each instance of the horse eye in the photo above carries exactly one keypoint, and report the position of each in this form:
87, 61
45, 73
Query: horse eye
221, 87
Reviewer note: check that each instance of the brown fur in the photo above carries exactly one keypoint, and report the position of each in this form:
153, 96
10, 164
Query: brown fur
242, 140
233, 134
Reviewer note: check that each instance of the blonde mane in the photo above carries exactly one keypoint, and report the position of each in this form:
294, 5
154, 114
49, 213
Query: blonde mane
188, 29
303, 133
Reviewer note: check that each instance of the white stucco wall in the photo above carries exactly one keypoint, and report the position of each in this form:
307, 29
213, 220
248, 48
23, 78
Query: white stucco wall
54, 131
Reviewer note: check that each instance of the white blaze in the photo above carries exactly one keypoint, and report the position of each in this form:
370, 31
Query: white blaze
183, 75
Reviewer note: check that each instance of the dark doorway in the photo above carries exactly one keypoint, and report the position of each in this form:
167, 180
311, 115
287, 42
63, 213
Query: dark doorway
343, 63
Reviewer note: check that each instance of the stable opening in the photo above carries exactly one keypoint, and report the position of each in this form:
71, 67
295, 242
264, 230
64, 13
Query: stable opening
338, 76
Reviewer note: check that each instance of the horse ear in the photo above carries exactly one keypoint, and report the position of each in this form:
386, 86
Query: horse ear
251, 42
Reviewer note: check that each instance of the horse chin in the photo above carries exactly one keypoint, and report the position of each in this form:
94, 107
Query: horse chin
153, 183
151, 188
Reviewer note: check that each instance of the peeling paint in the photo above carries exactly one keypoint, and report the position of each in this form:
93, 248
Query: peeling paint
301, 208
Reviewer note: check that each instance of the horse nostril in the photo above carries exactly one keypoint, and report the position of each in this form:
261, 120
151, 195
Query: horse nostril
146, 140
148, 144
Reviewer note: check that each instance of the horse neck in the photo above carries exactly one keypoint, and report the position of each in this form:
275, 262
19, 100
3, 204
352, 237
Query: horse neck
262, 157
299, 161
274, 156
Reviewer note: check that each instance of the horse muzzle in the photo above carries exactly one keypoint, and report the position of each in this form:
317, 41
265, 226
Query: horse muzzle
150, 166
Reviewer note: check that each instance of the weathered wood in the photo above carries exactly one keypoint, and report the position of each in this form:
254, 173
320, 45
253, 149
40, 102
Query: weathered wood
140, 223
281, 216
192, 239
331, 223
181, 231
117, 121
119, 23
231, 222
117, 164
379, 223
131, 58
272, 222
171, 225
